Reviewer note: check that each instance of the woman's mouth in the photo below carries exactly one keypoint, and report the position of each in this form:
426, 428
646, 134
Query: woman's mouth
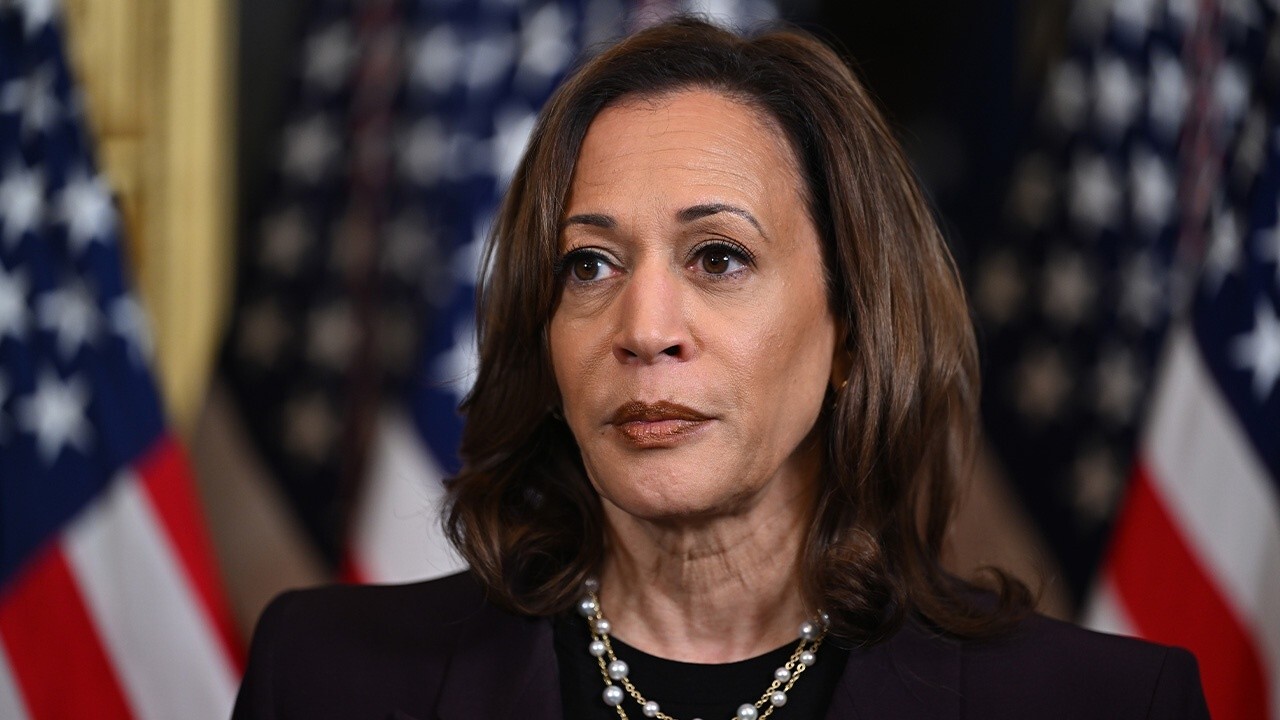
659, 424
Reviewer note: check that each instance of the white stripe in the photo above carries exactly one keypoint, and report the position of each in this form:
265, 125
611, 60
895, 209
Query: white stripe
1219, 493
397, 535
11, 705
1106, 612
164, 648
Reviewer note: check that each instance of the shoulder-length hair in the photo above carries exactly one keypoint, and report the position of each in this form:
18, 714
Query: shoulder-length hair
899, 434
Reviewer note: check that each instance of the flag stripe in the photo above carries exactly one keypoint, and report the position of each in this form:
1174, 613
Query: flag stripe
1218, 492
1163, 584
11, 706
397, 535
1105, 612
171, 663
166, 478
53, 645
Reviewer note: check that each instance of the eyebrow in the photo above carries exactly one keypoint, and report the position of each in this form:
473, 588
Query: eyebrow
592, 219
687, 215
697, 212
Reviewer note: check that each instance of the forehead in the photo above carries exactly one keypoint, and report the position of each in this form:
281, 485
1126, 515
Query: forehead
692, 141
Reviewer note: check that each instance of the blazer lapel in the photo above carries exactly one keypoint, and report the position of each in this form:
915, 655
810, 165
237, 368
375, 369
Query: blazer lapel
504, 667
914, 674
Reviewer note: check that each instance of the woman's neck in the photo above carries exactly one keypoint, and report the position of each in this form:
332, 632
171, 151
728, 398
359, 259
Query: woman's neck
708, 591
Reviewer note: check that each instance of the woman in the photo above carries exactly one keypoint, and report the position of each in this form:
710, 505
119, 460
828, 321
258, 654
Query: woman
727, 387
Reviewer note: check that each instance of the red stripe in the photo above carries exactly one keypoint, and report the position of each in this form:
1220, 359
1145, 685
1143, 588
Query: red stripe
350, 571
1172, 599
167, 481
57, 657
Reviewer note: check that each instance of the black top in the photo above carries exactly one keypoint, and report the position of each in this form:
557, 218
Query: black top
689, 690
440, 650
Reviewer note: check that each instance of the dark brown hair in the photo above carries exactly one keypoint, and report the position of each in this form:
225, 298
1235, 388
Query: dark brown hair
899, 435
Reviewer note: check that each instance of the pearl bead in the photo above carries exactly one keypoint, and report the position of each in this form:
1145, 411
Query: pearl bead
612, 696
591, 585
587, 607
650, 709
596, 648
748, 712
603, 626
618, 670
808, 631
824, 619
782, 674
807, 658
778, 699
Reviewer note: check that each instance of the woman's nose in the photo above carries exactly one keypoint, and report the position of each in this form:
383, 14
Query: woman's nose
652, 326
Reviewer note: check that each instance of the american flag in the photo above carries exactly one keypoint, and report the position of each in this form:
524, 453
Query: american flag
360, 437
110, 605
1195, 560
1105, 219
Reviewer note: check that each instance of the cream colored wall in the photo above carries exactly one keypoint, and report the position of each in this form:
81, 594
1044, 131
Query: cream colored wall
156, 74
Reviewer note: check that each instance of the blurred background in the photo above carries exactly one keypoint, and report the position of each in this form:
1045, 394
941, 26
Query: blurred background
238, 248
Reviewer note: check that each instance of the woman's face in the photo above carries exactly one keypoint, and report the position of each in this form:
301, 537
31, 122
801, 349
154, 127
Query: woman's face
693, 342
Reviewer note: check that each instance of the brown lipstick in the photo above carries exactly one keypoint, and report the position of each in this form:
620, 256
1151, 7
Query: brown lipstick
660, 424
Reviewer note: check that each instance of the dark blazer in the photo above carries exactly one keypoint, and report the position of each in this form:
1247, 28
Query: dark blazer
438, 649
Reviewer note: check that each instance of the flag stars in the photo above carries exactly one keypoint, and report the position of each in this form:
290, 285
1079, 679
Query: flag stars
1095, 192
310, 147
424, 149
513, 127
328, 56
1154, 191
1042, 385
34, 97
1134, 17
1069, 97
436, 59
1089, 18
36, 14
1034, 192
488, 58
455, 369
1231, 89
263, 330
71, 315
1000, 288
286, 235
86, 206
311, 426
331, 337
55, 414
129, 321
1225, 251
13, 304
546, 47
1097, 479
1168, 102
21, 203
407, 247
1118, 386
1068, 288
1142, 292
1251, 146
1119, 94
1259, 350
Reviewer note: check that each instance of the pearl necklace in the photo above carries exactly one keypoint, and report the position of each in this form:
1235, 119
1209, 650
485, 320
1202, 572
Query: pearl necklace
615, 671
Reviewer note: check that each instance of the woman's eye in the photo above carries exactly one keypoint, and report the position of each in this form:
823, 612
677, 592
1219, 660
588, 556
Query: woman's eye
721, 260
586, 266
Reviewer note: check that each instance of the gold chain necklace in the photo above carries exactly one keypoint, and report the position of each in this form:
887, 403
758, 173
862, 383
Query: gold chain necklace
617, 684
